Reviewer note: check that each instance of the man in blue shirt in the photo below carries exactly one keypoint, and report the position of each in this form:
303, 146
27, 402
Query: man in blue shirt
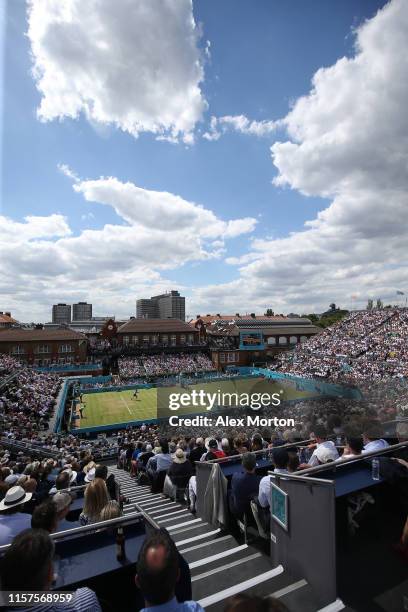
158, 571
244, 486
28, 566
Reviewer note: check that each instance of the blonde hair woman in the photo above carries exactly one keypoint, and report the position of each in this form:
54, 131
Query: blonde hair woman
96, 498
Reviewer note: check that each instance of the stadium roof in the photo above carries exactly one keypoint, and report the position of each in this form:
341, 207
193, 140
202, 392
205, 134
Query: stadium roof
208, 319
30, 335
155, 326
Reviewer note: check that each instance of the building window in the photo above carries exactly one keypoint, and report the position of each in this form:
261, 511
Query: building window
283, 340
65, 348
231, 357
18, 350
42, 349
190, 339
165, 340
303, 338
146, 340
293, 340
182, 339
173, 340
155, 340
222, 357
271, 340
125, 340
135, 340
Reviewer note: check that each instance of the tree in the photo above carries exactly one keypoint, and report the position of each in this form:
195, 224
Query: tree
333, 307
269, 312
380, 304
370, 305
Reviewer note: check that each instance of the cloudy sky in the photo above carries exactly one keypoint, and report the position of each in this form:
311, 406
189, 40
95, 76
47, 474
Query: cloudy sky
251, 153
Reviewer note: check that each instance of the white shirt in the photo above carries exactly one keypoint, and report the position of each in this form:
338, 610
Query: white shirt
375, 445
264, 494
313, 461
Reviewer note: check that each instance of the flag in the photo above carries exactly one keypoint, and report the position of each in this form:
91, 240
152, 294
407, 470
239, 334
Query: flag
400, 293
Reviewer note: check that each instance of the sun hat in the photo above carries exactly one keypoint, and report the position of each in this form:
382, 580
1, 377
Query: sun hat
62, 500
90, 475
71, 473
325, 454
11, 479
180, 456
14, 497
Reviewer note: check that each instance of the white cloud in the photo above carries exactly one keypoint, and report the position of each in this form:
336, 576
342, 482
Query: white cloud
129, 63
158, 232
66, 171
241, 124
348, 142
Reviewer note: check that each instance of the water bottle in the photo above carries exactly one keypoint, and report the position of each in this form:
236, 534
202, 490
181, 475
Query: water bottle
375, 469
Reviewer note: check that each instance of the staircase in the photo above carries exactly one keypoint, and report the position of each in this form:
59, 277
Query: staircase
220, 567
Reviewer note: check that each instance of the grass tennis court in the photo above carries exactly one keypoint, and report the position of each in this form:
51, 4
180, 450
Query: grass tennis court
109, 407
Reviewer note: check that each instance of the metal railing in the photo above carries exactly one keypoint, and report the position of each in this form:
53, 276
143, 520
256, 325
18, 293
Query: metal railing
92, 528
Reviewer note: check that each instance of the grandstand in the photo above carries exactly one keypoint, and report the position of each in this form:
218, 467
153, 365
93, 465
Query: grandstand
335, 484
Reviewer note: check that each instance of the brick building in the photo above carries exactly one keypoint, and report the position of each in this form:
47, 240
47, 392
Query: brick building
42, 347
245, 340
156, 333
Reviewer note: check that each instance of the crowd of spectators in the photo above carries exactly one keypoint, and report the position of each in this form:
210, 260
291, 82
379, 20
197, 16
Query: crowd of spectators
164, 365
27, 400
367, 345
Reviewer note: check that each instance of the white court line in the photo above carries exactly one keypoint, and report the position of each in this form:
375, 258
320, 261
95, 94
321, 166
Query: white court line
240, 587
126, 404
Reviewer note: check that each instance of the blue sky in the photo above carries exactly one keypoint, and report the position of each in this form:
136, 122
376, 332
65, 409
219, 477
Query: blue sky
260, 61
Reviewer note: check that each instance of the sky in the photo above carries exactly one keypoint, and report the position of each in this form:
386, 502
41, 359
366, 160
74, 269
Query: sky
251, 153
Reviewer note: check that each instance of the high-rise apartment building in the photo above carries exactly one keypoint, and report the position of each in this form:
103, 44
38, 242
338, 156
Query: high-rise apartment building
61, 313
81, 311
169, 305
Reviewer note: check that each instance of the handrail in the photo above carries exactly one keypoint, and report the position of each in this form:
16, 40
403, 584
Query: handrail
337, 464
84, 529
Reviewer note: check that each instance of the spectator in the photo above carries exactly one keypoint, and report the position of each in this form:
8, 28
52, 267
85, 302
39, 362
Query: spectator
96, 497
281, 461
354, 448
101, 471
244, 486
197, 452
372, 438
180, 470
158, 571
320, 436
13, 519
63, 501
45, 516
28, 566
213, 451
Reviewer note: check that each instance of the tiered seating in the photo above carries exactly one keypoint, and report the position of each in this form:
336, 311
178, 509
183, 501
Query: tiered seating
220, 566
